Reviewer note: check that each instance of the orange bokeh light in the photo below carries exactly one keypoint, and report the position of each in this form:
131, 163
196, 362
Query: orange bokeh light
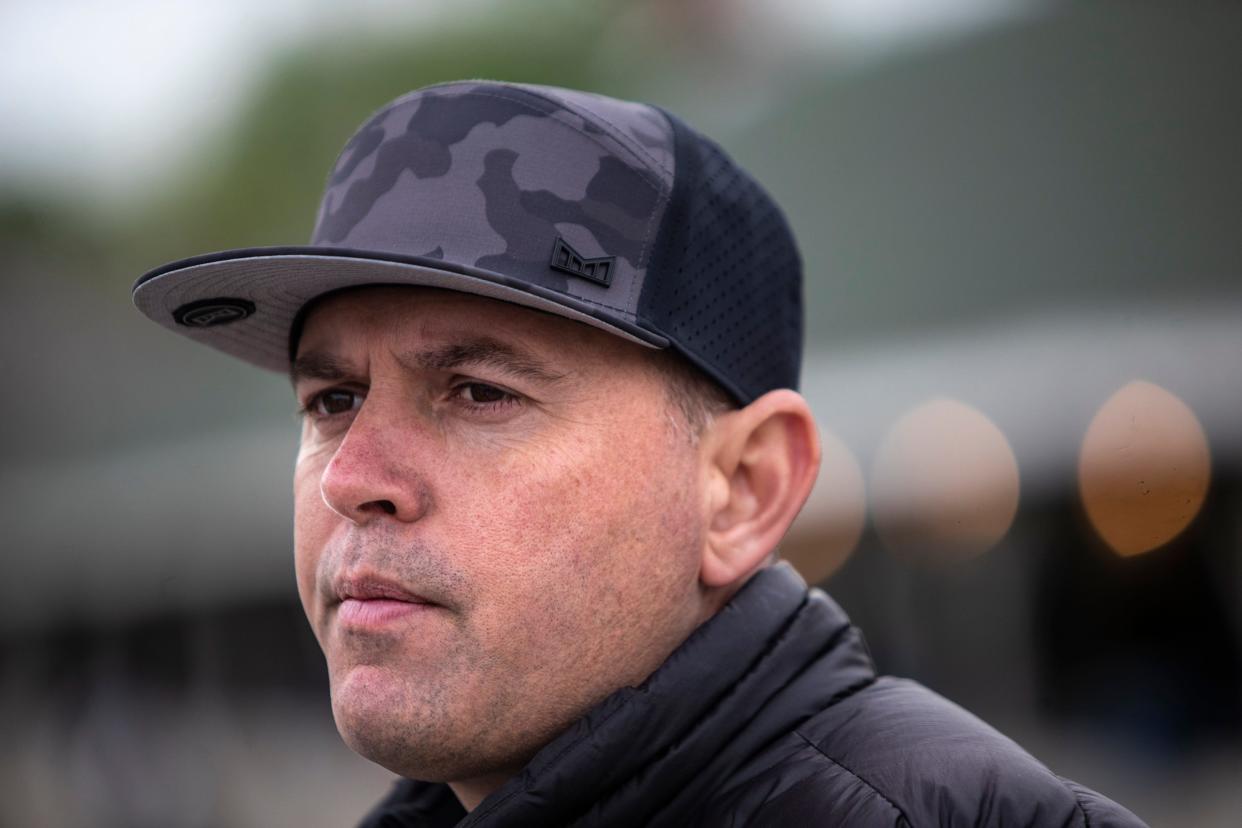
944, 485
1143, 469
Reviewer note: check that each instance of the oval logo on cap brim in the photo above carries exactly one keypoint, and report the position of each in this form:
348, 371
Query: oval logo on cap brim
206, 313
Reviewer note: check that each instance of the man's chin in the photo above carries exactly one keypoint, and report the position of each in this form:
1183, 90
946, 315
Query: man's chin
381, 718
413, 732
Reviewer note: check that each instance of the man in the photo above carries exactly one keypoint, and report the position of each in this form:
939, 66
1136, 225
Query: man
545, 343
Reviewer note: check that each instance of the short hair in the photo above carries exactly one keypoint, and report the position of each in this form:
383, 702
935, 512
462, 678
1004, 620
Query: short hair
695, 396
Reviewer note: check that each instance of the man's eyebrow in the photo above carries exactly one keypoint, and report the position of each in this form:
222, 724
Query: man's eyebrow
482, 351
320, 365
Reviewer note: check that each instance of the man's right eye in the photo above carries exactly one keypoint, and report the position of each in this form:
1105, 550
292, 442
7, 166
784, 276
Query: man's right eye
332, 402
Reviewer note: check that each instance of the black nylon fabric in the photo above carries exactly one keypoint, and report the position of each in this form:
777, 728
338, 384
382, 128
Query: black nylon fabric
770, 714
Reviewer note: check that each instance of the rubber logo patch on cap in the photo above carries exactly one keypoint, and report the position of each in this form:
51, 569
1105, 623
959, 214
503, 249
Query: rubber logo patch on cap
206, 313
567, 259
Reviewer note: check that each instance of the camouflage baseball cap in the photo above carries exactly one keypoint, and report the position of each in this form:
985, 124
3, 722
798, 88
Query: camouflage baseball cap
612, 213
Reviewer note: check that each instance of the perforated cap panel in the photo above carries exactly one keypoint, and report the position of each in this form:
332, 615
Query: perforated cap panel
725, 280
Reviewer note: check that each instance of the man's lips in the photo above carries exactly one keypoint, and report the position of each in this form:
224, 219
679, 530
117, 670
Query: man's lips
369, 602
373, 588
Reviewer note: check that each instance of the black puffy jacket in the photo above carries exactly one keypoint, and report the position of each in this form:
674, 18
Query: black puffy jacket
771, 714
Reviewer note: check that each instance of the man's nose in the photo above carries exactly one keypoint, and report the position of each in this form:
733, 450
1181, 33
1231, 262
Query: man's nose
370, 477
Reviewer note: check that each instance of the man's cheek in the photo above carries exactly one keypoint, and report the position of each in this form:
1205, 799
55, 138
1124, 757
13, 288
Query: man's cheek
551, 503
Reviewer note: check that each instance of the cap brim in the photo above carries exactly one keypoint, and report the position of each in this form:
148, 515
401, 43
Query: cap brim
278, 282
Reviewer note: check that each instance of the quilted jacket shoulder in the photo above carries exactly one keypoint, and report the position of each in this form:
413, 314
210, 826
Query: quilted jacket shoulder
895, 753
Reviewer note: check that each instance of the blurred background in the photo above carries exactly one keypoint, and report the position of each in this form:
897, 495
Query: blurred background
1023, 239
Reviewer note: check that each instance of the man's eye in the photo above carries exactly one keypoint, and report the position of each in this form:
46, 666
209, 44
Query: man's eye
481, 393
333, 402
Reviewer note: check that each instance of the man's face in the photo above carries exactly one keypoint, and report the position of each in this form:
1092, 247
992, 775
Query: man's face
498, 522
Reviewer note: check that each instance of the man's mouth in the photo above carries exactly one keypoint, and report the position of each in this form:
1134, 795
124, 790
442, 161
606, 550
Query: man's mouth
369, 602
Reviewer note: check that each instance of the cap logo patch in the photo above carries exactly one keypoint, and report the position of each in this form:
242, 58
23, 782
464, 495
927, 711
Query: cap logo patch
568, 260
206, 313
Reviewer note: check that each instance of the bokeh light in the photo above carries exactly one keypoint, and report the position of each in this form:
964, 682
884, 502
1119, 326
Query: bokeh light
1144, 468
830, 526
944, 484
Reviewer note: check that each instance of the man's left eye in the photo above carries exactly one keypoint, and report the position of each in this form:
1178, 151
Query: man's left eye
482, 394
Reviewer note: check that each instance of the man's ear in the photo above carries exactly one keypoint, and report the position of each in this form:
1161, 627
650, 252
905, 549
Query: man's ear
761, 462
